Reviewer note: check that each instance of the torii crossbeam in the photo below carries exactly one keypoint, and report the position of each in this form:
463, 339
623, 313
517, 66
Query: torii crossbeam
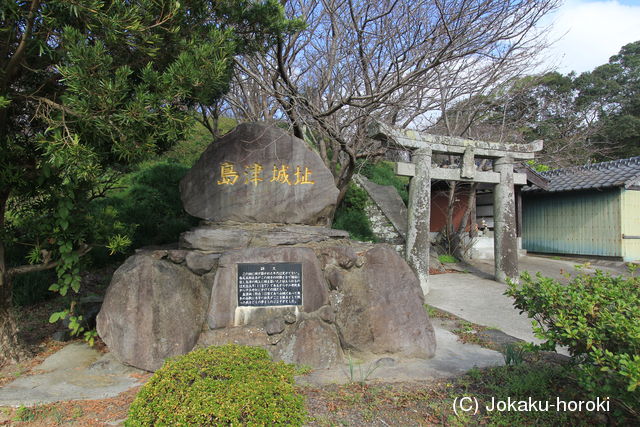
423, 146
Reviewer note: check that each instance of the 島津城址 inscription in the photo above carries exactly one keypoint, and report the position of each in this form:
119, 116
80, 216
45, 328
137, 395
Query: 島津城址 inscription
254, 175
270, 284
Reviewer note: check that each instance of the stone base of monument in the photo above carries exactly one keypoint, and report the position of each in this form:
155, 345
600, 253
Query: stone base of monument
307, 294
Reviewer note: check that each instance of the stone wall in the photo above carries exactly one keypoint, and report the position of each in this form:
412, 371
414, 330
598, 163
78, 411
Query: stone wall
383, 229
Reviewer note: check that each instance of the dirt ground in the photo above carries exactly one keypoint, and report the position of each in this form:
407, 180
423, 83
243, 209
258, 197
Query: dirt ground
370, 403
418, 403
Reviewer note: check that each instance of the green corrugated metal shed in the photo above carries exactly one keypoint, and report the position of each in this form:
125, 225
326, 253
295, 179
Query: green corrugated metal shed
589, 210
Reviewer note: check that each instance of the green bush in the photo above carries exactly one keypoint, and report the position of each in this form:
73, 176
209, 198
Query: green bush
227, 385
597, 317
350, 215
186, 152
446, 259
150, 204
32, 288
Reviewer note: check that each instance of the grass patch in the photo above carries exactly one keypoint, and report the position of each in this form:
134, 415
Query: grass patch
432, 403
436, 313
467, 332
447, 259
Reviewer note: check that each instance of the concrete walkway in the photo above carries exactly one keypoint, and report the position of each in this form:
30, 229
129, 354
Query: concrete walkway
452, 358
550, 267
477, 298
76, 372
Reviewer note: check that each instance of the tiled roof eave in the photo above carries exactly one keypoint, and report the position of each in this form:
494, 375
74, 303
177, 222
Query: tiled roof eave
599, 176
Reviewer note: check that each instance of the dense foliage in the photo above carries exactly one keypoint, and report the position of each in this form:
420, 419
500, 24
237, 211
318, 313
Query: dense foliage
594, 116
227, 385
351, 215
615, 88
383, 173
150, 204
88, 88
597, 317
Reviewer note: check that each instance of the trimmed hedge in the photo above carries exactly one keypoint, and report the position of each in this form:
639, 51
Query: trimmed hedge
230, 385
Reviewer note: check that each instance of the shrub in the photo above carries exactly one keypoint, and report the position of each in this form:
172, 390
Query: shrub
230, 385
447, 259
598, 318
187, 151
151, 204
382, 173
32, 288
351, 216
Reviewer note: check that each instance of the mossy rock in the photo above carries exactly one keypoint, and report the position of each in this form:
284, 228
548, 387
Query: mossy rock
230, 385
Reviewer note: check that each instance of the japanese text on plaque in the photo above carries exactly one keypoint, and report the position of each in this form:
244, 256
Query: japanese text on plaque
254, 174
269, 284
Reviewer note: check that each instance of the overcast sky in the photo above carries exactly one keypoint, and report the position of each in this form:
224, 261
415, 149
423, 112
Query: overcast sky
591, 32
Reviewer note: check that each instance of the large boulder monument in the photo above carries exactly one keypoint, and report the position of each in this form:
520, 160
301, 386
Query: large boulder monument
263, 269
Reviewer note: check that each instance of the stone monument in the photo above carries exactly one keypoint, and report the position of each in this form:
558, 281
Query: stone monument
262, 269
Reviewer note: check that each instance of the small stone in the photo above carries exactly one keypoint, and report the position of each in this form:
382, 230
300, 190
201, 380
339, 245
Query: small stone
344, 256
312, 342
335, 299
360, 261
385, 361
334, 276
274, 339
158, 254
176, 256
290, 318
215, 238
60, 336
274, 326
327, 313
201, 263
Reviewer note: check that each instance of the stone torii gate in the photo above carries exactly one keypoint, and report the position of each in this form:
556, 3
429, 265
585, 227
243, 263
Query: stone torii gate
423, 146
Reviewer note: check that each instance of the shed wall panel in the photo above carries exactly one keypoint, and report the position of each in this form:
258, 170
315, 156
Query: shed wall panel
582, 223
630, 202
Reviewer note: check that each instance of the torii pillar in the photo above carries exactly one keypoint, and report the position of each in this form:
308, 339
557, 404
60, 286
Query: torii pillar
421, 173
505, 240
418, 241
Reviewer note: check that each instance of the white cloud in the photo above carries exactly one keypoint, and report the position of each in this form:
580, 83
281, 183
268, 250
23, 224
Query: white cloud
592, 31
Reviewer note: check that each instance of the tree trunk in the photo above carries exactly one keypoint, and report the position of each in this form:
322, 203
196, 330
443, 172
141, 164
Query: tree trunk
11, 349
344, 180
451, 203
